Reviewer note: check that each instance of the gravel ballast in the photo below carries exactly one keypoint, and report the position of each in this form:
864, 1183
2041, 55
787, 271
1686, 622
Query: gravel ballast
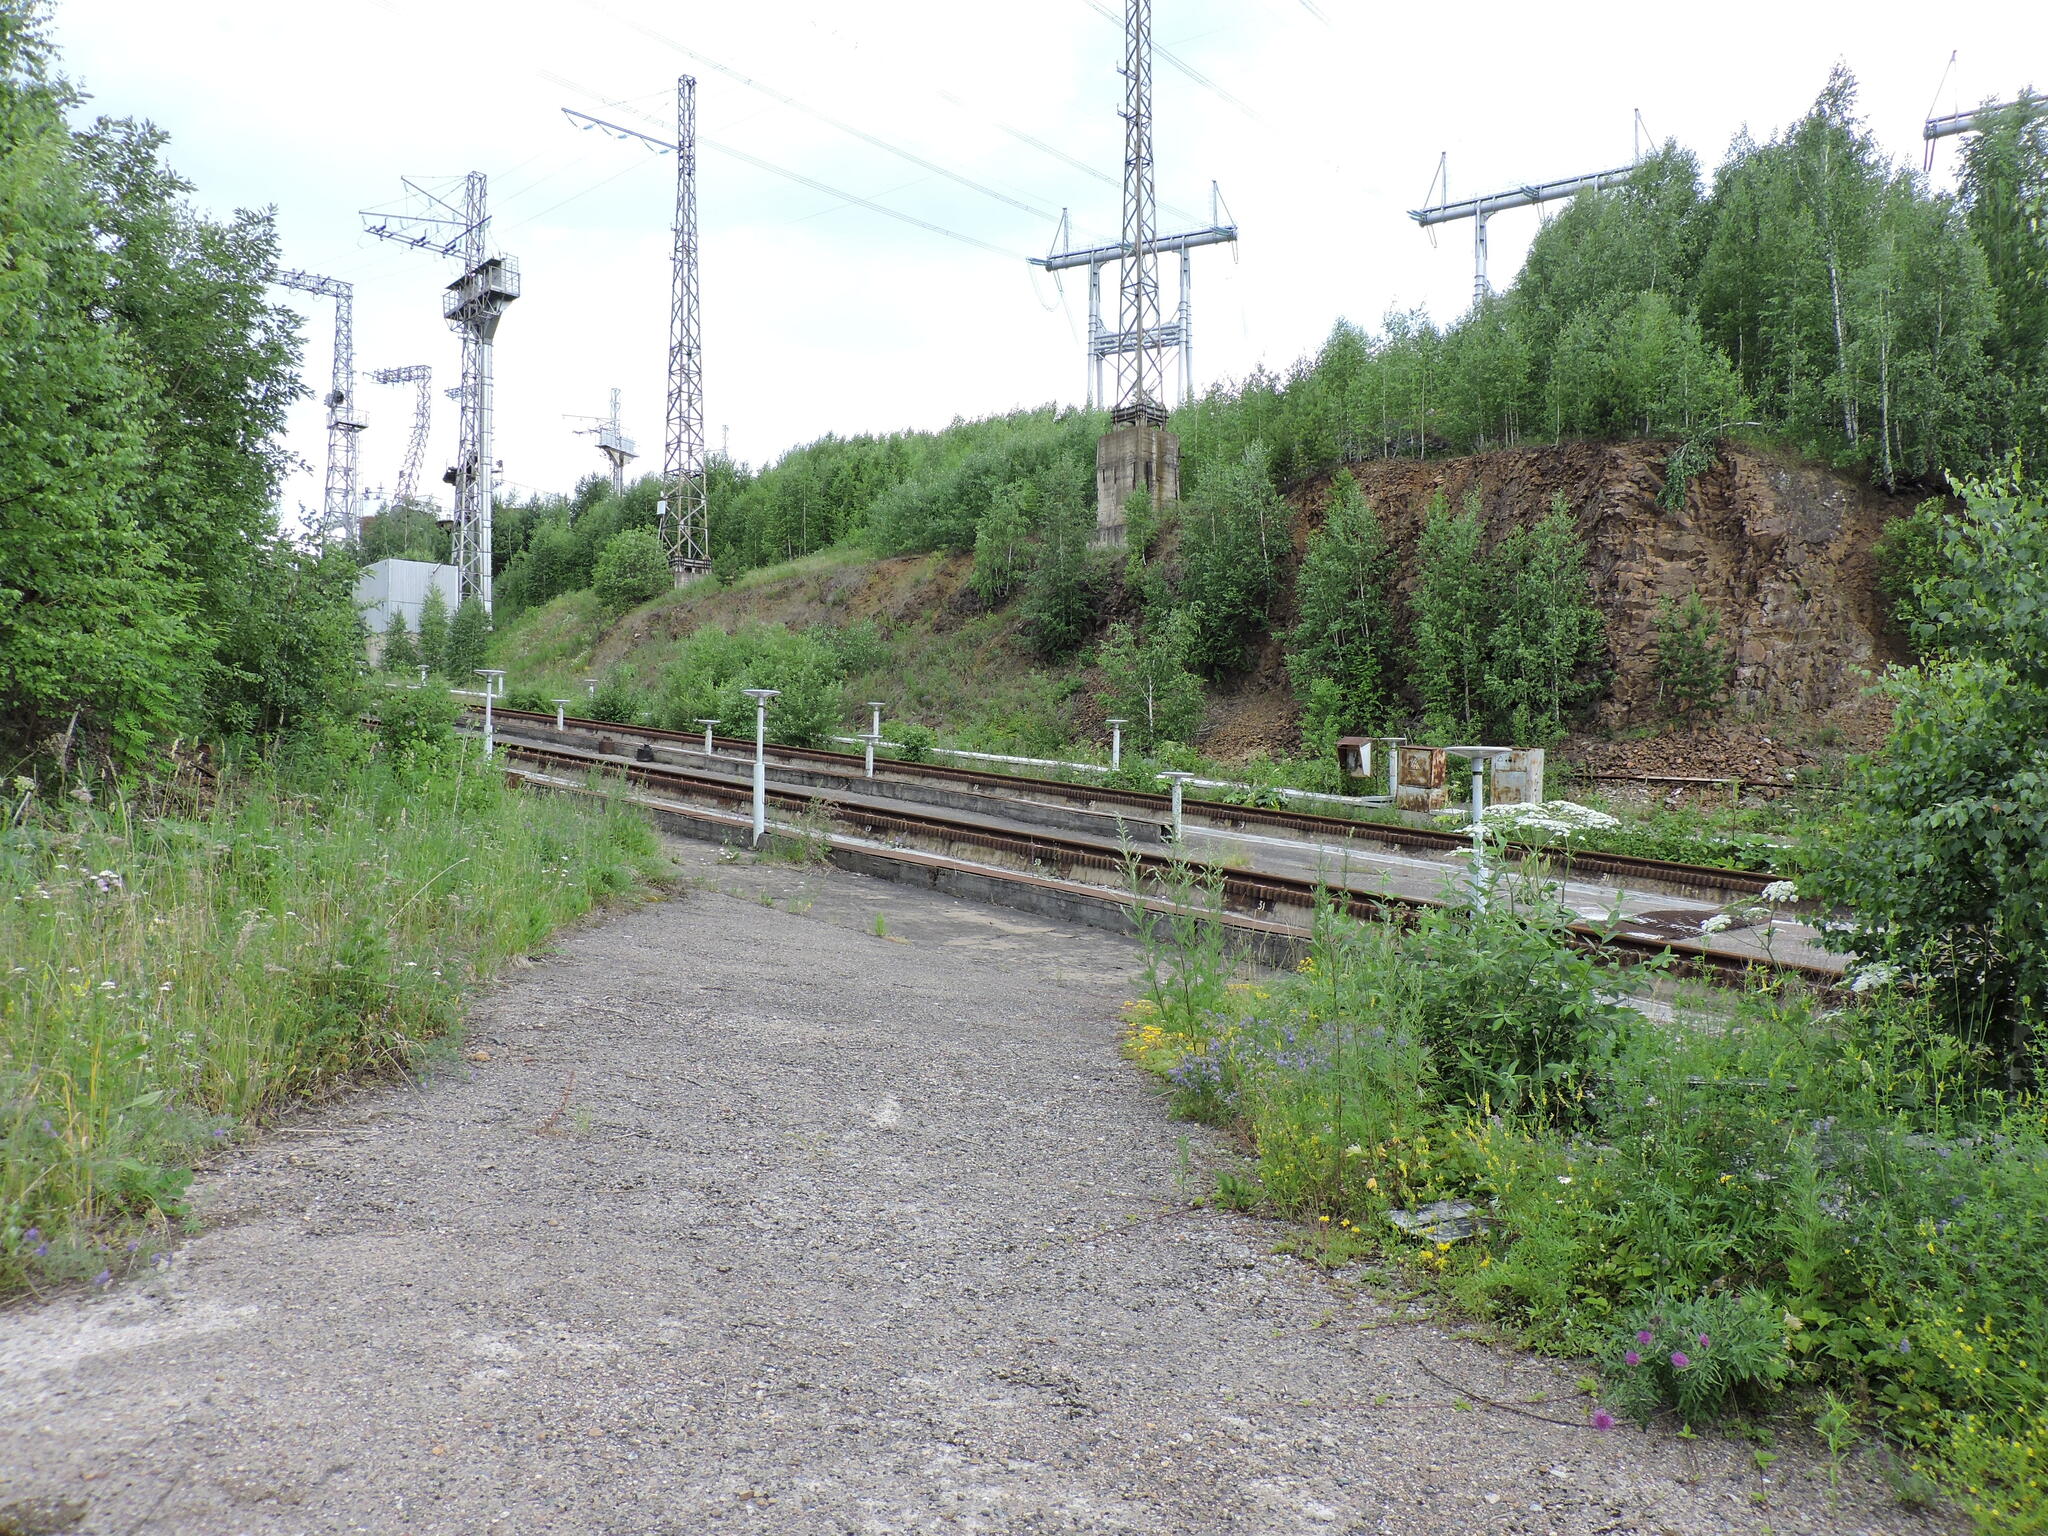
746, 1217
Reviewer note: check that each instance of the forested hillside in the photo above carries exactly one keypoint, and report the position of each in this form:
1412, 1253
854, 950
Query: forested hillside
1811, 297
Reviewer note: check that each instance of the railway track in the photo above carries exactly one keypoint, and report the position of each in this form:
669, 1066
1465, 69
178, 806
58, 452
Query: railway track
1269, 900
1626, 869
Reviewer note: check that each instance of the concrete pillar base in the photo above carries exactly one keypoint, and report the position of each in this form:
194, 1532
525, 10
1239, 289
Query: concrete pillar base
1138, 456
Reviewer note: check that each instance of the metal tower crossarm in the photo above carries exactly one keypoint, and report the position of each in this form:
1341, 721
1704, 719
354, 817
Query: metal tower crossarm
1174, 334
338, 503
1979, 118
1480, 209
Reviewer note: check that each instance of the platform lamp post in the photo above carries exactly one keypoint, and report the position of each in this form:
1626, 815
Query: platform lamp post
590, 686
875, 723
561, 708
709, 726
868, 740
1176, 779
761, 696
1116, 724
490, 675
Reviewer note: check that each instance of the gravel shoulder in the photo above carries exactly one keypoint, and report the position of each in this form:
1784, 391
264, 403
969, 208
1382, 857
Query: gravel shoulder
738, 1216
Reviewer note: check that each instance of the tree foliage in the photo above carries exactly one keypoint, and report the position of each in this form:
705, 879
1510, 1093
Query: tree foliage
1340, 652
1149, 680
631, 569
1693, 667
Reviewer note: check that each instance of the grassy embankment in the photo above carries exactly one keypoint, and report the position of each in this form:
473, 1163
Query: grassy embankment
1837, 1212
181, 967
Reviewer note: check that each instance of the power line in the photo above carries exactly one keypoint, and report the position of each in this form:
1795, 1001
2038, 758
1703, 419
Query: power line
809, 111
1178, 63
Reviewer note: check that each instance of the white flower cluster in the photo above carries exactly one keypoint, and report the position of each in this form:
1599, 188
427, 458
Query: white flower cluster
1781, 890
1871, 977
1561, 817
1716, 923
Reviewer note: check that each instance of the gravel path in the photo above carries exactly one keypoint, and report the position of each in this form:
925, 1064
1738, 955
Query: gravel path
744, 1218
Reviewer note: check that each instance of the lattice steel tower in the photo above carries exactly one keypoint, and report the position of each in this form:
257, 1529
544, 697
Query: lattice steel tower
422, 418
472, 305
617, 448
684, 520
1140, 372
338, 507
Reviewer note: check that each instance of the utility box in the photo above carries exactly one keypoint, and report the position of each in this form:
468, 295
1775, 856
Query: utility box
400, 586
1354, 755
1518, 777
1419, 779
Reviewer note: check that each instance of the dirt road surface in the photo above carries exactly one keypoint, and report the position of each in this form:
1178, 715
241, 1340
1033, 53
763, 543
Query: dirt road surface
754, 1220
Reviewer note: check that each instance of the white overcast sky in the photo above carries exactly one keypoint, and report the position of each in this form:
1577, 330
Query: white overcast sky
1324, 124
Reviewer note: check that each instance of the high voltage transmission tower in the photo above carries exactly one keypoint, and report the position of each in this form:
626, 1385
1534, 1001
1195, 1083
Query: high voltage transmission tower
422, 417
612, 442
338, 507
684, 503
472, 305
1138, 453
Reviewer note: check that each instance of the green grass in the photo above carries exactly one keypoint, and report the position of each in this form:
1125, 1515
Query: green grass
175, 972
1801, 1206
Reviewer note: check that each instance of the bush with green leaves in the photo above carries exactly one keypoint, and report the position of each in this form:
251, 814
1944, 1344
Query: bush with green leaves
1234, 530
469, 639
401, 653
1451, 614
713, 667
1340, 652
1693, 668
433, 636
631, 569
1939, 848
1701, 1355
1149, 680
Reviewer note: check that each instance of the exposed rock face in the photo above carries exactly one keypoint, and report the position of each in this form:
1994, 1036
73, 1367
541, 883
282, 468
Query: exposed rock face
1780, 549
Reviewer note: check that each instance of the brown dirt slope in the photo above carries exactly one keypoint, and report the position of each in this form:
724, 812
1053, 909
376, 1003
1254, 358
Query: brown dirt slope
1778, 547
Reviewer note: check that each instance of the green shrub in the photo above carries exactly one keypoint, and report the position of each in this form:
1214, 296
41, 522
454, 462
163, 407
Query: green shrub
631, 569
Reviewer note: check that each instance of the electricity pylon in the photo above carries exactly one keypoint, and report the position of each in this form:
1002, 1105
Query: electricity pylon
1975, 119
685, 530
338, 506
1140, 370
472, 305
422, 417
612, 442
1480, 209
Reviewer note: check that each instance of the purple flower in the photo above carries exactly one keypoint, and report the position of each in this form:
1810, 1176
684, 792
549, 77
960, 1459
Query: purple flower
1644, 1337
32, 1235
1905, 1346
1679, 1360
104, 1277
133, 1246
1705, 1342
1602, 1419
1632, 1359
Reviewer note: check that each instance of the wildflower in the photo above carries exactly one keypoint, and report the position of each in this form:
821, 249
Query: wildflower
1905, 1346
1644, 1337
104, 1278
1680, 1360
1716, 923
1705, 1342
1372, 1183
1632, 1359
1564, 1178
23, 784
1781, 890
1793, 1322
1602, 1419
33, 1234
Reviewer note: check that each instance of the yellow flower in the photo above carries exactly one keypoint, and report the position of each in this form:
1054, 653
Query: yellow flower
1372, 1183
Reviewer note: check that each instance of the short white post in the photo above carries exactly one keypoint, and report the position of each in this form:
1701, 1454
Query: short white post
1176, 779
875, 723
869, 741
490, 675
423, 677
761, 696
1479, 824
709, 750
1116, 724
590, 686
561, 705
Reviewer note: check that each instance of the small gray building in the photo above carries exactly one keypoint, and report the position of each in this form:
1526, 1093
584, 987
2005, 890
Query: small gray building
400, 586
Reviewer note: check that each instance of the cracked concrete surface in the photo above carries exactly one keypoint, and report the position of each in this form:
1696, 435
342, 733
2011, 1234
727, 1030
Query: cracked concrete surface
751, 1219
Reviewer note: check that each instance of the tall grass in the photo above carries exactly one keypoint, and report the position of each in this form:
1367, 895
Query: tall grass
171, 974
1778, 1204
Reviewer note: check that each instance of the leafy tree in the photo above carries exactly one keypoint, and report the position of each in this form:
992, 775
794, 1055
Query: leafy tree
1451, 616
93, 626
468, 640
1340, 650
1233, 533
434, 630
290, 654
1061, 593
401, 653
1693, 667
1150, 681
2004, 196
1001, 540
406, 530
1547, 634
713, 667
631, 569
1942, 852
